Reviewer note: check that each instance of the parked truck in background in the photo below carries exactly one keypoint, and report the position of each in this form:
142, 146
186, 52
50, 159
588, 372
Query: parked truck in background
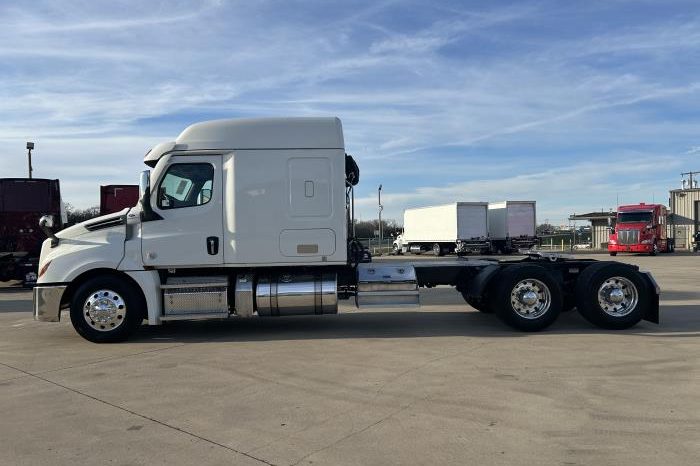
641, 228
117, 197
23, 201
252, 218
458, 227
512, 225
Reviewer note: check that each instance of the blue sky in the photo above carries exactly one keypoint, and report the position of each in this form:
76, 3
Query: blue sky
572, 104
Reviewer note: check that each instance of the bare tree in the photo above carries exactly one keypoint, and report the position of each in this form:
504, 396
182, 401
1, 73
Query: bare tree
80, 215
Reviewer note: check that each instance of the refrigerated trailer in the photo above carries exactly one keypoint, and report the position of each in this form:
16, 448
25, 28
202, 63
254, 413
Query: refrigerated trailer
252, 218
512, 225
457, 227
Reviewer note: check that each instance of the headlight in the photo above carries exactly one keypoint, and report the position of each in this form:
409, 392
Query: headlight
612, 241
646, 241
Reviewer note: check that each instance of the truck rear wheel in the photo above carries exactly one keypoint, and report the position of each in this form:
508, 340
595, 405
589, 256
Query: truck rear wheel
438, 250
611, 295
526, 297
106, 309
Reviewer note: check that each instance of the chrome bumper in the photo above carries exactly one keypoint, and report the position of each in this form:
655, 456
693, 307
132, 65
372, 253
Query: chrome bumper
47, 302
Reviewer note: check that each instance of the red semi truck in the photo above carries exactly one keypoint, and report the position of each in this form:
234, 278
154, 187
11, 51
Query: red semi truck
641, 228
22, 202
116, 197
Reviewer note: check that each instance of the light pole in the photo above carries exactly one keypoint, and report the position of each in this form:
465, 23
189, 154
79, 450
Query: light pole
30, 146
379, 200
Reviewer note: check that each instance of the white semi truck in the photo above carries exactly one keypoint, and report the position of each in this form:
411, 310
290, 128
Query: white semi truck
244, 218
457, 227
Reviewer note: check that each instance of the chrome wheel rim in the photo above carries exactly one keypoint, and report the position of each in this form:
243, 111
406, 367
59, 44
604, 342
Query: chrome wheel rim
617, 296
104, 310
530, 298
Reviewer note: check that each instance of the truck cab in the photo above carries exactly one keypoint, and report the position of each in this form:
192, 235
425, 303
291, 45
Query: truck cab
641, 228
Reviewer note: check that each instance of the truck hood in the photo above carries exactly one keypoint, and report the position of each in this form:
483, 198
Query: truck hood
114, 220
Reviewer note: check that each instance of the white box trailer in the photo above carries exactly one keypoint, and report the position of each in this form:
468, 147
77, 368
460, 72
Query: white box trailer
459, 226
250, 219
512, 225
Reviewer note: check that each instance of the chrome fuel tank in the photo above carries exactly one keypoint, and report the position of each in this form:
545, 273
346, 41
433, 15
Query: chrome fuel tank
289, 294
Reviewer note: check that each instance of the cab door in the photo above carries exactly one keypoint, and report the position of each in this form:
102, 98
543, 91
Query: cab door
188, 197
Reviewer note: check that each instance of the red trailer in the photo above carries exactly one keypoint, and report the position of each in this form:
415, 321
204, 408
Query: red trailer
116, 197
22, 202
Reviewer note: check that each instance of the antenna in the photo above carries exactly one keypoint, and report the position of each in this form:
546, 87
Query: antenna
691, 182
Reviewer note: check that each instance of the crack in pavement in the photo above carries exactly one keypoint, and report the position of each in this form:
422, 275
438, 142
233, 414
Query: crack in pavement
142, 416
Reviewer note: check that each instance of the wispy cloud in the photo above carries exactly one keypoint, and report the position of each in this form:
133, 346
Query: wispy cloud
440, 100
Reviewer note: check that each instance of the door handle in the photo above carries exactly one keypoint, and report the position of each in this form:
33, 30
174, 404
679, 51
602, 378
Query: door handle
213, 245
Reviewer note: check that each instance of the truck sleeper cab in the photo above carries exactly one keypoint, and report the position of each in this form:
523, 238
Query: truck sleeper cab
243, 218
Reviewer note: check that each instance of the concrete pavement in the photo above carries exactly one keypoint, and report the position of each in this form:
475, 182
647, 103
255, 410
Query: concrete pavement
446, 385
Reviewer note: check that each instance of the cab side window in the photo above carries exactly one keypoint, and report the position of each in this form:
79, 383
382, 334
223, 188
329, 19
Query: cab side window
186, 185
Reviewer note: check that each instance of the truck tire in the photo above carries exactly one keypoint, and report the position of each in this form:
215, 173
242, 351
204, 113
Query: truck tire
613, 254
526, 297
397, 250
105, 310
611, 295
438, 250
654, 249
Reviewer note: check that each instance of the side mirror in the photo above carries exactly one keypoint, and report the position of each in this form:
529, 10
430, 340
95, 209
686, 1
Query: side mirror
46, 223
147, 213
612, 231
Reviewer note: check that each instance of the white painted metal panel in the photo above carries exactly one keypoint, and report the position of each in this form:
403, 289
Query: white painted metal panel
266, 194
180, 238
445, 223
431, 224
521, 219
305, 243
510, 219
472, 220
497, 217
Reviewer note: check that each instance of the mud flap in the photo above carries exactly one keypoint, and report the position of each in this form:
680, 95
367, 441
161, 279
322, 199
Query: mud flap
652, 313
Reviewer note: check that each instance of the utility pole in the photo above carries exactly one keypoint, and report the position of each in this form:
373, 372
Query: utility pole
30, 146
690, 177
381, 207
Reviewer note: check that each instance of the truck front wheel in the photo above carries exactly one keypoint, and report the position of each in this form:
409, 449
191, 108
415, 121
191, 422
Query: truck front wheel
106, 309
526, 297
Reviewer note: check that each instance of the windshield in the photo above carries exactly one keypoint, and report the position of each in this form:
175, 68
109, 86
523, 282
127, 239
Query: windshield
634, 217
